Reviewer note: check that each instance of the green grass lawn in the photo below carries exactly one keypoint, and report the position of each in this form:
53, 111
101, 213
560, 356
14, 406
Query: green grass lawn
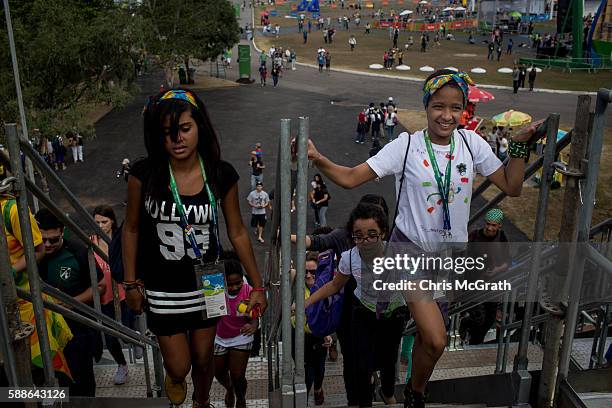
370, 49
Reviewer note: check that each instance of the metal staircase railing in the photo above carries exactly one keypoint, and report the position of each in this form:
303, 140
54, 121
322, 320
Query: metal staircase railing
19, 186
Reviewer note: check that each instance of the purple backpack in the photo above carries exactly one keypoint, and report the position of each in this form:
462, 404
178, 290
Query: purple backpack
323, 317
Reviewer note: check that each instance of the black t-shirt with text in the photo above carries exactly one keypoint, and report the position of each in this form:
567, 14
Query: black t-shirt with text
165, 256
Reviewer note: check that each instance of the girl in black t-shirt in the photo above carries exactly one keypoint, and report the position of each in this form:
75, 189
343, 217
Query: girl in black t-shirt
183, 170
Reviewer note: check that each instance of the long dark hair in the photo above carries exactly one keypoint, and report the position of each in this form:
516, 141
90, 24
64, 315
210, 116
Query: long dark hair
106, 211
208, 147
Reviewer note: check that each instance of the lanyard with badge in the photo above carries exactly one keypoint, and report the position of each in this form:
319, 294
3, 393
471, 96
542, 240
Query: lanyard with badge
210, 277
444, 186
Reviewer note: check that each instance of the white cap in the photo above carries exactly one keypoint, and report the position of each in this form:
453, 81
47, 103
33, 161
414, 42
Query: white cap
391, 99
125, 161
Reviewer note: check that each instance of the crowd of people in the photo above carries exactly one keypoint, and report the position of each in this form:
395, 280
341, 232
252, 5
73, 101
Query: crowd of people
55, 149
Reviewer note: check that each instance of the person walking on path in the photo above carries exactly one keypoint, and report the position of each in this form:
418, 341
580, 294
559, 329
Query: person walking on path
424, 224
263, 74
257, 168
258, 200
106, 220
491, 48
235, 336
516, 74
352, 42
532, 77
522, 76
327, 61
510, 45
183, 170
321, 61
275, 74
499, 52
305, 35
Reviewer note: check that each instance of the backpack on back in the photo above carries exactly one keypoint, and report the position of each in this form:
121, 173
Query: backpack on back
323, 317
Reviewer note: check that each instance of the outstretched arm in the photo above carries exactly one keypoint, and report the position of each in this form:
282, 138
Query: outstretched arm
347, 177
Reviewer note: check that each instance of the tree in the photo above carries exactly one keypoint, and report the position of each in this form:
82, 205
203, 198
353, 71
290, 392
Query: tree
70, 53
180, 29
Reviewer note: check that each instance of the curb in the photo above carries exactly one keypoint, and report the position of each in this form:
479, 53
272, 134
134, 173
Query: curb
416, 79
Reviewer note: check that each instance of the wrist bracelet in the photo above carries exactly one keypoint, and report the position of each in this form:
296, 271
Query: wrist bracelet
258, 289
518, 150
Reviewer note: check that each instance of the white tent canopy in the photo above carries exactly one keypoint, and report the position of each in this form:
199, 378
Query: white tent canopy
460, 9
406, 12
448, 9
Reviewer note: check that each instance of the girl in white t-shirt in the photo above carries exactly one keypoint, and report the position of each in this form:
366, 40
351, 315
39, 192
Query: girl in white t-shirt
434, 170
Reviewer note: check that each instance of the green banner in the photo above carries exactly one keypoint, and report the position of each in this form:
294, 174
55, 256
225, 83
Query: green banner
237, 10
244, 56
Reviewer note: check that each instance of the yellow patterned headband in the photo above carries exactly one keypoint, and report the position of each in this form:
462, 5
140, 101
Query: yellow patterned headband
180, 94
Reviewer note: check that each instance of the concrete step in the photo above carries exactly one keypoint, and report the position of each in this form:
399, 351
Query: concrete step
596, 399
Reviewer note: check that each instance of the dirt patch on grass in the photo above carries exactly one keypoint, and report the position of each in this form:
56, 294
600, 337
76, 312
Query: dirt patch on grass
203, 81
521, 210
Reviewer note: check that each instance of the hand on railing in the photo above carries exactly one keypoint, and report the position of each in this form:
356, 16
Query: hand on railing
525, 134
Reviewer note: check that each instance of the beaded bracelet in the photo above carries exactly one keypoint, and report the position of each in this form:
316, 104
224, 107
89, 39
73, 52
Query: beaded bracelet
259, 289
518, 150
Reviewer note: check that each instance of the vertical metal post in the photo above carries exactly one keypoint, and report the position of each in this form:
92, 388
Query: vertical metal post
300, 260
501, 333
285, 203
22, 114
507, 335
158, 368
142, 327
93, 277
603, 334
559, 284
520, 361
604, 96
28, 243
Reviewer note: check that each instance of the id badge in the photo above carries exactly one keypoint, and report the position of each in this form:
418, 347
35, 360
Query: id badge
210, 278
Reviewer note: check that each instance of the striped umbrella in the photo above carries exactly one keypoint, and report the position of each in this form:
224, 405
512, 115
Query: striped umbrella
476, 95
511, 118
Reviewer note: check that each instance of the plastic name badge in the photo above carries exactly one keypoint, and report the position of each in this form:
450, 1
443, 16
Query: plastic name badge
211, 280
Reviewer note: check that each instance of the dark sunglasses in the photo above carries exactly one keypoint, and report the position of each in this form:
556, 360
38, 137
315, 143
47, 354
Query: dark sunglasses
311, 271
53, 240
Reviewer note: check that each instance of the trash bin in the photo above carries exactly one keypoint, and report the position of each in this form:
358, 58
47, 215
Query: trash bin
182, 76
191, 76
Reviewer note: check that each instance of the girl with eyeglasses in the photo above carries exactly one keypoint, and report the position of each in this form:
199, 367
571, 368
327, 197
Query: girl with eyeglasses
315, 348
434, 170
377, 327
175, 198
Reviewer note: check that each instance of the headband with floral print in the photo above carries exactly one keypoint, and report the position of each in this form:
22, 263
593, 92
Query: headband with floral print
460, 78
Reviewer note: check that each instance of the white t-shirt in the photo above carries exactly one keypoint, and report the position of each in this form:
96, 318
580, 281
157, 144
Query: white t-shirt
420, 210
350, 264
258, 198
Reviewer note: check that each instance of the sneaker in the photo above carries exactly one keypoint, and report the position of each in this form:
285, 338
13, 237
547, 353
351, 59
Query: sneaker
176, 392
121, 375
413, 399
319, 397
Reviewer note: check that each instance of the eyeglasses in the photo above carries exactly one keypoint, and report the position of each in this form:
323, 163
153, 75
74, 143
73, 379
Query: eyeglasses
313, 272
358, 239
52, 240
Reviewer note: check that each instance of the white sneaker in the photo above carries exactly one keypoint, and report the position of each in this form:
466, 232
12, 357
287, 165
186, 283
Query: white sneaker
121, 375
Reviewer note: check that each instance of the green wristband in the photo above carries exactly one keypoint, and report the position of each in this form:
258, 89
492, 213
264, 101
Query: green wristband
518, 150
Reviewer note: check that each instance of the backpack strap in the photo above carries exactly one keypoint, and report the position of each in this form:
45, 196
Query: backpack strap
6, 213
399, 194
466, 144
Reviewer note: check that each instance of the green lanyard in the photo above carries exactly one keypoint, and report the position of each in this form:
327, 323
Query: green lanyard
187, 228
443, 186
